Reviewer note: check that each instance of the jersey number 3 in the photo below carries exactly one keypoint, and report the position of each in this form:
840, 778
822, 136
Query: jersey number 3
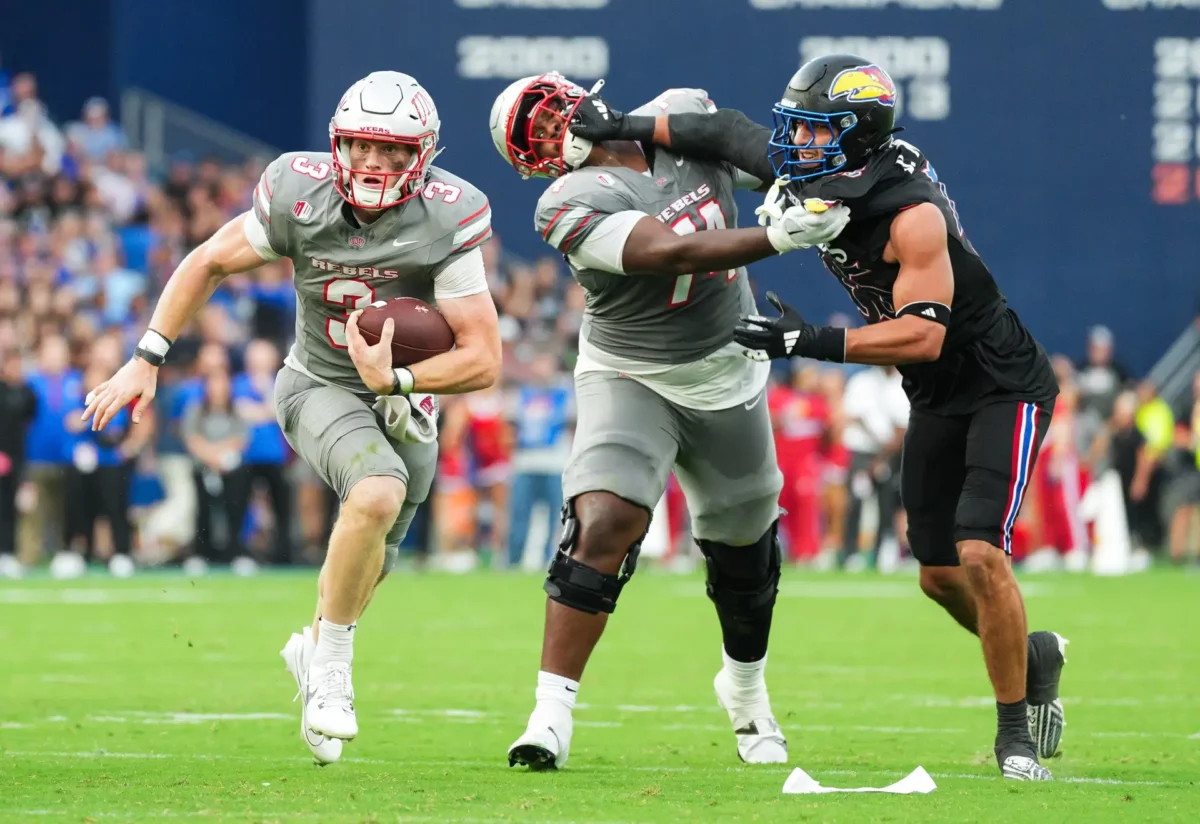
713, 218
350, 294
317, 171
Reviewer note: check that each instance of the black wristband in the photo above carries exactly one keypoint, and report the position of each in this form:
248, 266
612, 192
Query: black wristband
638, 127
829, 344
152, 358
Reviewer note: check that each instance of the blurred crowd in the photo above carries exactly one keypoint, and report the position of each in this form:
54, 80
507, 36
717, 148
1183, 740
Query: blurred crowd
89, 234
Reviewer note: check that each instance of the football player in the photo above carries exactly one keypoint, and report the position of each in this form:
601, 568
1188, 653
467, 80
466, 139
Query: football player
371, 219
981, 388
661, 386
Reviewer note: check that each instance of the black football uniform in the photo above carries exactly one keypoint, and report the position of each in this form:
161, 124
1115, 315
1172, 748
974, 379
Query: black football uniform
980, 411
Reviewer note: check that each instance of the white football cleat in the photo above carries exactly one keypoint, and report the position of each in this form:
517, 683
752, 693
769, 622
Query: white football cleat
546, 742
1023, 768
296, 656
1045, 712
329, 701
759, 738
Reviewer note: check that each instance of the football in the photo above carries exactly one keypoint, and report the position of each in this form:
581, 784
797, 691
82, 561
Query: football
421, 332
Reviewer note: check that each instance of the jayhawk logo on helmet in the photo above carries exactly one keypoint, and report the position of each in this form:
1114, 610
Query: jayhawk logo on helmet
864, 83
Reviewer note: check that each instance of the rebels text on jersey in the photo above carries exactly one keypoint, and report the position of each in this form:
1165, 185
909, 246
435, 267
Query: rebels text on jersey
340, 265
988, 355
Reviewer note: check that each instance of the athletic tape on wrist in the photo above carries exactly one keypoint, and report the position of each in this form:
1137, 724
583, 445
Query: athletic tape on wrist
155, 342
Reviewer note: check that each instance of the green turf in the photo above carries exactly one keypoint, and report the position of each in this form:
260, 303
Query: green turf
112, 692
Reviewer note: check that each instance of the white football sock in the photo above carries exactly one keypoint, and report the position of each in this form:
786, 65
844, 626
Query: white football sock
557, 689
335, 643
745, 676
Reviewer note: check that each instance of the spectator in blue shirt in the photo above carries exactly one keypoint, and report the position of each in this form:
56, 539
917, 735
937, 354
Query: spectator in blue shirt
42, 528
96, 135
111, 289
542, 413
266, 450
100, 464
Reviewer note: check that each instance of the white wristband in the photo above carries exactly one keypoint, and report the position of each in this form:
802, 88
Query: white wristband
404, 380
155, 342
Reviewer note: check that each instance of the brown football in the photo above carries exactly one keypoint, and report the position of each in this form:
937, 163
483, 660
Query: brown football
421, 332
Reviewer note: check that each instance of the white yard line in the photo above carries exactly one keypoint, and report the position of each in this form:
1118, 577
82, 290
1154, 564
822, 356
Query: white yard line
581, 768
645, 718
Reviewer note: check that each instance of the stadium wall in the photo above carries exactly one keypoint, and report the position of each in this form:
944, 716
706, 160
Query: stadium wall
1041, 116
1068, 132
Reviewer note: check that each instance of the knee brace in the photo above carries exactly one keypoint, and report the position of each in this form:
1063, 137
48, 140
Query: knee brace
743, 579
579, 586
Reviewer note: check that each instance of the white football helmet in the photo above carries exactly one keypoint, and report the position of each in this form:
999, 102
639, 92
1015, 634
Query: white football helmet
387, 107
535, 111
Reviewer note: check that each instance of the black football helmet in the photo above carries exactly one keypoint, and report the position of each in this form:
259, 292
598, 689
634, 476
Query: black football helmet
853, 97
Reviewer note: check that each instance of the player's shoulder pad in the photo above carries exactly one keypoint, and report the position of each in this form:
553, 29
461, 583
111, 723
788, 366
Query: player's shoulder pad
603, 190
579, 200
678, 101
456, 208
292, 178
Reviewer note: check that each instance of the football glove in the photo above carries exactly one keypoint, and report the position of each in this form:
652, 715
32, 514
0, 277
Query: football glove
597, 121
789, 335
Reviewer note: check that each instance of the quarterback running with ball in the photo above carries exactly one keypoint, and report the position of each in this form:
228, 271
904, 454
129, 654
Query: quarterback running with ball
370, 220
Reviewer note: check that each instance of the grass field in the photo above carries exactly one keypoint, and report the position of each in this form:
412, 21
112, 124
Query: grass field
162, 697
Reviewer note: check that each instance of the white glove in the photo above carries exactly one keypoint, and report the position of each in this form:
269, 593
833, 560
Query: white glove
799, 228
772, 207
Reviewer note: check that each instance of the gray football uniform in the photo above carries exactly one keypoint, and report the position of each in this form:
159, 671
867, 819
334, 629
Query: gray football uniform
321, 403
676, 319
655, 344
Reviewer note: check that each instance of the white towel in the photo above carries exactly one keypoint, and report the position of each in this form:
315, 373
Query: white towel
411, 419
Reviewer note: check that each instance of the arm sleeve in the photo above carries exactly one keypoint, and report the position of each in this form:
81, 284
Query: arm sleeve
257, 237
460, 276
604, 247
727, 135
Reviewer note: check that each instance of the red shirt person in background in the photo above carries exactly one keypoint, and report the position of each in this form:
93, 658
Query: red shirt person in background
800, 417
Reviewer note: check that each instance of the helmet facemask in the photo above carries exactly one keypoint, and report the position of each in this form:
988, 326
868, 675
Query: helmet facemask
396, 186
785, 147
540, 118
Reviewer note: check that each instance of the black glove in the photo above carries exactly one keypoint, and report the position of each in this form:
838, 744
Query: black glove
790, 335
596, 121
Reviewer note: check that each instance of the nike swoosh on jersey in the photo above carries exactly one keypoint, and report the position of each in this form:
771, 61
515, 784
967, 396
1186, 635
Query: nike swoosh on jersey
404, 242
753, 403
